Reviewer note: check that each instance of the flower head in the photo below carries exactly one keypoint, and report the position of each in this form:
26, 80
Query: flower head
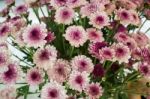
76, 3
34, 76
82, 63
58, 3
64, 15
78, 80
98, 71
144, 68
122, 53
45, 57
94, 90
53, 90
94, 35
21, 9
60, 71
76, 35
99, 20
34, 35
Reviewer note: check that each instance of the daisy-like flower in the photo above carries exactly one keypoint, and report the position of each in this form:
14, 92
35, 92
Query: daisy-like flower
124, 16
91, 8
98, 71
78, 80
144, 68
131, 43
121, 37
58, 3
45, 57
95, 35
122, 53
104, 2
82, 63
8, 93
140, 38
99, 20
50, 37
34, 76
106, 53
95, 47
64, 15
76, 3
135, 18
19, 38
109, 8
5, 30
76, 35
12, 74
53, 90
21, 9
60, 71
34, 35
94, 91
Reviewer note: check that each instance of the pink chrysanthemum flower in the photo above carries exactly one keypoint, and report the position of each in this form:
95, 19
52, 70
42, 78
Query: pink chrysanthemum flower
122, 53
78, 80
76, 35
82, 63
60, 71
106, 53
104, 2
91, 8
95, 35
58, 3
135, 18
21, 9
95, 47
64, 15
45, 57
5, 30
144, 68
12, 74
50, 37
141, 39
109, 8
131, 43
53, 90
76, 3
99, 20
34, 35
121, 37
94, 91
34, 76
124, 16
8, 93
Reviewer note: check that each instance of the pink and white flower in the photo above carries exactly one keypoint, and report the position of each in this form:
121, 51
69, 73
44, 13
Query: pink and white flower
12, 74
99, 20
82, 63
21, 9
122, 53
45, 57
34, 76
76, 35
53, 90
8, 93
34, 35
144, 68
95, 35
50, 37
64, 15
60, 71
78, 80
58, 3
94, 91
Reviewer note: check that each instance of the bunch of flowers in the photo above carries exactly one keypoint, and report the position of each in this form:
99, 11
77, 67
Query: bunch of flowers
77, 49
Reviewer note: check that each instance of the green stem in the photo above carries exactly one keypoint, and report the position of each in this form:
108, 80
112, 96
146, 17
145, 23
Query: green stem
42, 12
142, 24
147, 30
72, 48
37, 14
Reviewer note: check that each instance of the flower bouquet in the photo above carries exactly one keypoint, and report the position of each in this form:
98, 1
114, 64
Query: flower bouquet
75, 49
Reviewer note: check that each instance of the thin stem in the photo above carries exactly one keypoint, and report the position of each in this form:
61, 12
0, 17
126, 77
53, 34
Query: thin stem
72, 48
147, 30
37, 14
142, 24
42, 12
